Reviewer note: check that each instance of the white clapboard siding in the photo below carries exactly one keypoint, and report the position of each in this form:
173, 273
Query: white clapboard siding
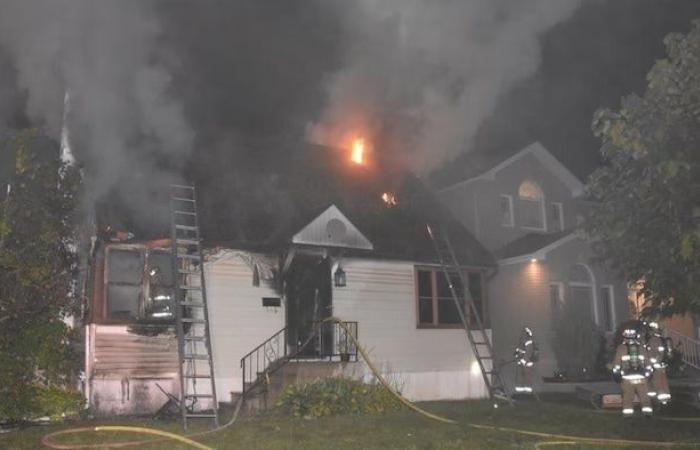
428, 364
238, 321
119, 353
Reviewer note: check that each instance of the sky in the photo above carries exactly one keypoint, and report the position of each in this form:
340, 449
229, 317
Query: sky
157, 86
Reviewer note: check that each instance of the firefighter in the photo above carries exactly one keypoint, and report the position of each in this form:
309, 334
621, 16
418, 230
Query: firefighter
659, 350
631, 368
526, 354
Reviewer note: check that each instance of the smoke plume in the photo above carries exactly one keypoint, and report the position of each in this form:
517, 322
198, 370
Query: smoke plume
125, 126
420, 77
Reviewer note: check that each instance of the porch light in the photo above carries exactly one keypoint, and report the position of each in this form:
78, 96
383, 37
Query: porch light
533, 260
339, 279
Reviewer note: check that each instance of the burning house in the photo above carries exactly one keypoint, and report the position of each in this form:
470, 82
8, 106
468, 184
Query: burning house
347, 240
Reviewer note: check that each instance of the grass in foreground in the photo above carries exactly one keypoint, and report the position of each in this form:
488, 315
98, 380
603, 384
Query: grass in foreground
399, 430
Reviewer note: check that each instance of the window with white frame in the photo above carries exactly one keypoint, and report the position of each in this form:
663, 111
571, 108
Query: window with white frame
556, 298
531, 212
607, 308
556, 216
582, 292
506, 204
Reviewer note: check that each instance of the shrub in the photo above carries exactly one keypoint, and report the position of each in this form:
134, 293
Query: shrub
333, 396
56, 402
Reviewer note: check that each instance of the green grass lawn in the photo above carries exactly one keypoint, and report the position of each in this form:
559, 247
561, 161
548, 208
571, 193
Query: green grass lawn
401, 430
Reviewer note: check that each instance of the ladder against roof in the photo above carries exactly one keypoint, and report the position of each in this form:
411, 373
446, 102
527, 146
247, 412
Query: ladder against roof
196, 369
479, 340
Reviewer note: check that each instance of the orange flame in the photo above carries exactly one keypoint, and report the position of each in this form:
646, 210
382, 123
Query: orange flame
358, 151
389, 199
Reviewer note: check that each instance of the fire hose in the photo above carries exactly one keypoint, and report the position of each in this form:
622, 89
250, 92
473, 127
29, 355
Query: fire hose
558, 439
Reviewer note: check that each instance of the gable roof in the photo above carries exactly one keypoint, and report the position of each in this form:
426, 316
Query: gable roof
332, 229
546, 159
266, 208
533, 245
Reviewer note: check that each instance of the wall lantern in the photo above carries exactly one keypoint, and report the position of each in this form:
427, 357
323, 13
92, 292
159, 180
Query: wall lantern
339, 279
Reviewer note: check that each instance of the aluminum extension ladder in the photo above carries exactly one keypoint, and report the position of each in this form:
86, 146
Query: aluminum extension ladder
481, 345
196, 369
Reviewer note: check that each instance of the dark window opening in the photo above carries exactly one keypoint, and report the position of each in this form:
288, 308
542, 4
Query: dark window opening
139, 285
436, 306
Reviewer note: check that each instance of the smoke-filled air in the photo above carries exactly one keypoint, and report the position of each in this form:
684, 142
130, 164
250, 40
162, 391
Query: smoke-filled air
103, 62
420, 77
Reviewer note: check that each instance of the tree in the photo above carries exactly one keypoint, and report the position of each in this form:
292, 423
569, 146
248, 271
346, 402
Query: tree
646, 216
37, 265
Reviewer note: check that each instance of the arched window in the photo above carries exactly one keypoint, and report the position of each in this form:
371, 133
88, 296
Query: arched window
582, 292
531, 206
530, 190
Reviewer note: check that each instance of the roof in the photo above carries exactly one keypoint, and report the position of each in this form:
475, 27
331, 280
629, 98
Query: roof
533, 245
486, 168
263, 208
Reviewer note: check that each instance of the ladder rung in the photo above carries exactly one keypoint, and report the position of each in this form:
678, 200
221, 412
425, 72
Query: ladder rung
191, 288
201, 416
189, 272
186, 227
187, 241
182, 186
196, 357
196, 376
195, 338
193, 305
185, 213
485, 357
182, 199
199, 396
195, 321
184, 255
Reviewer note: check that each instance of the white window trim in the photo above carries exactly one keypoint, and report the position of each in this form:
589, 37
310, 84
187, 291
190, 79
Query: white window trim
510, 210
611, 301
560, 288
542, 211
560, 208
594, 289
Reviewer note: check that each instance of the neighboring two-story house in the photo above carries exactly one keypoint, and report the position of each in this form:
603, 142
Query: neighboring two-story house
525, 210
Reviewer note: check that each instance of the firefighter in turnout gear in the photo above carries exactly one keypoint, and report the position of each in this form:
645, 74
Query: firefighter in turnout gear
526, 355
632, 369
659, 350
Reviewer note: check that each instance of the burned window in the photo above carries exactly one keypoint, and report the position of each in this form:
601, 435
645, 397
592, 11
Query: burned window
124, 284
159, 274
436, 306
531, 212
139, 284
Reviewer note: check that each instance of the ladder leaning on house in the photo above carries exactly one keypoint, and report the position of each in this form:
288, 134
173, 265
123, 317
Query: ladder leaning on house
481, 345
196, 369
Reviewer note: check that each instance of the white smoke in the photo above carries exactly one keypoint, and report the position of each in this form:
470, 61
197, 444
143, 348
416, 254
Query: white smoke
421, 76
106, 54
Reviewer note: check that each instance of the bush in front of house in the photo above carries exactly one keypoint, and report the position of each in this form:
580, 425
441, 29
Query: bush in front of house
335, 396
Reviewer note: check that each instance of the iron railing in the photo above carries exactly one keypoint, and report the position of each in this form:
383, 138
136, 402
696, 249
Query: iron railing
689, 348
328, 340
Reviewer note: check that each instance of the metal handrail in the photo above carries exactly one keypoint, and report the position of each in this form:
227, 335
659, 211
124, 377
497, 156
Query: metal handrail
273, 359
689, 347
270, 354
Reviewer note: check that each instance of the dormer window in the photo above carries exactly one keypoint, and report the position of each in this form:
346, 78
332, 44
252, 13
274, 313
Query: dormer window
506, 205
556, 216
531, 206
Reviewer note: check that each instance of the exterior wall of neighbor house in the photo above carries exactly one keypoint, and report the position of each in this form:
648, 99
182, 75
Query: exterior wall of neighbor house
477, 204
238, 322
519, 296
427, 364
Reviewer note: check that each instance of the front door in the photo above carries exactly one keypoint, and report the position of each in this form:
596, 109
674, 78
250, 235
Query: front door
309, 300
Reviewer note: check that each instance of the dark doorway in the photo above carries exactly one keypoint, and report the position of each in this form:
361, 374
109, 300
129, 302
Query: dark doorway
309, 301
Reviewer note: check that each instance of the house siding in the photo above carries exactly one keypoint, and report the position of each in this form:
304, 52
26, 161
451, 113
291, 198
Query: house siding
238, 321
477, 204
520, 297
426, 364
